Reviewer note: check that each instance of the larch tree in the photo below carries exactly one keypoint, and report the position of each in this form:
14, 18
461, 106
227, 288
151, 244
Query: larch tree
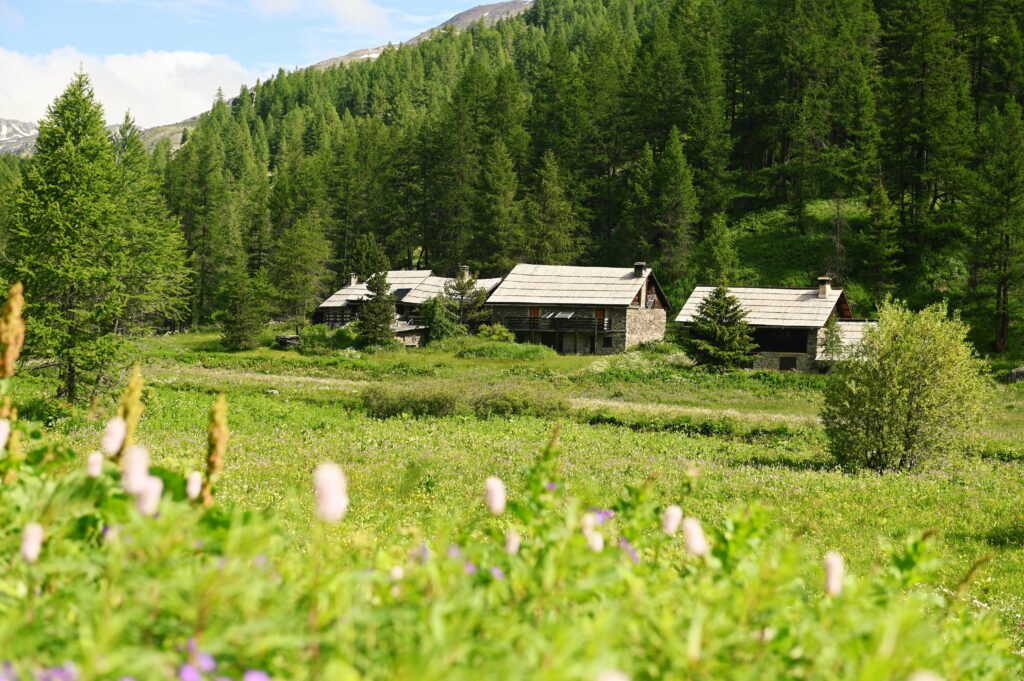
550, 233
298, 270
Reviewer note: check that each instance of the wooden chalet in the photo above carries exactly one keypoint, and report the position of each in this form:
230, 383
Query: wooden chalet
581, 310
788, 323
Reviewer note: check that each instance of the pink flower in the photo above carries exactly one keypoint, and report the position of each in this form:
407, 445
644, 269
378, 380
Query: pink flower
148, 498
496, 495
134, 469
194, 485
331, 492
94, 465
32, 542
612, 675
5, 433
588, 522
696, 544
833, 573
671, 519
595, 540
512, 541
113, 436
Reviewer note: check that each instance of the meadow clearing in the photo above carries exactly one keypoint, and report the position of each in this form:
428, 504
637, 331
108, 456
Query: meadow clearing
753, 438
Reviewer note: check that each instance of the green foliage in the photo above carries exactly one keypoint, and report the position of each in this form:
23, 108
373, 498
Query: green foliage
466, 299
494, 347
388, 402
318, 338
439, 315
831, 343
716, 260
245, 311
377, 313
911, 393
298, 270
719, 336
496, 332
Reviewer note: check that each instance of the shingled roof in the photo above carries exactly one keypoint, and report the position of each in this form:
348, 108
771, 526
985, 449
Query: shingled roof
850, 334
786, 307
411, 287
554, 285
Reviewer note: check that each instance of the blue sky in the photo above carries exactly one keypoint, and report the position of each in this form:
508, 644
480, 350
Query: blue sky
164, 59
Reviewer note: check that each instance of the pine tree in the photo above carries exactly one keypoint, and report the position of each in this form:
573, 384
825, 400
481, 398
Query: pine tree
377, 313
551, 223
499, 215
366, 257
675, 210
244, 310
719, 336
298, 270
716, 259
466, 299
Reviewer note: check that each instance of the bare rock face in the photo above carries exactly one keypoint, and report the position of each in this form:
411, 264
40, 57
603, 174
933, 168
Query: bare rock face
17, 137
489, 14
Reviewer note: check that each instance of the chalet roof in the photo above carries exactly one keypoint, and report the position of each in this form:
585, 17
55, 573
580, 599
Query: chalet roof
411, 287
786, 307
563, 285
850, 333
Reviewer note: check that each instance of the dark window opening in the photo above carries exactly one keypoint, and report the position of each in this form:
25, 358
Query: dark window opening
606, 342
787, 363
781, 340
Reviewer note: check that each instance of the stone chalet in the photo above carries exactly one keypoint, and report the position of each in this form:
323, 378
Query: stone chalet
411, 288
788, 323
581, 310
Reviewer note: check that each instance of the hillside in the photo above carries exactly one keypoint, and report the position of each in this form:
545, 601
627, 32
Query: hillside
17, 137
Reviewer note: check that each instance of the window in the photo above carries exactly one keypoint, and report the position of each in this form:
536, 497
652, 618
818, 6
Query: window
771, 339
787, 363
534, 312
606, 342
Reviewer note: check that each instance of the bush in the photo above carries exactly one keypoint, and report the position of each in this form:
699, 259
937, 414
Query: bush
318, 338
476, 347
387, 402
496, 332
914, 390
520, 402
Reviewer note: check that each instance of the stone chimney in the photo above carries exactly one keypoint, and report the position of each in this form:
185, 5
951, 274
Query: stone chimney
638, 269
824, 287
353, 279
464, 273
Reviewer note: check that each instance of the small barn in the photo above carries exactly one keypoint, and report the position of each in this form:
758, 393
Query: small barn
788, 323
581, 310
411, 289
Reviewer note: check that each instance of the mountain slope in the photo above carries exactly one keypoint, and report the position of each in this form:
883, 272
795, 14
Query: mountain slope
489, 14
17, 137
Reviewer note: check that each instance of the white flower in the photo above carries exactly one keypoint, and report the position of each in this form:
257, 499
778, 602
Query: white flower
5, 433
397, 573
94, 465
588, 522
696, 544
496, 495
194, 485
113, 436
612, 675
512, 541
925, 676
331, 492
595, 540
134, 469
32, 542
148, 499
833, 573
671, 519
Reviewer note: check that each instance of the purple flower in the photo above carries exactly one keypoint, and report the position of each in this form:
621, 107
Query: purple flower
255, 675
551, 486
603, 515
627, 547
470, 568
189, 673
420, 553
259, 561
205, 662
498, 573
7, 672
65, 673
454, 551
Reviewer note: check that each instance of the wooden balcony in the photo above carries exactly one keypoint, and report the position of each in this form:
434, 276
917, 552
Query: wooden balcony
572, 325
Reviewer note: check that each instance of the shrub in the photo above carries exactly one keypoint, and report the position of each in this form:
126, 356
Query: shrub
475, 347
496, 332
318, 338
387, 402
914, 390
520, 402
439, 315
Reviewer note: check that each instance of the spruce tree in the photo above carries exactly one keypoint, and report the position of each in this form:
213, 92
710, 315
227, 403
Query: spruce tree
499, 215
466, 299
377, 313
716, 260
719, 336
244, 309
298, 270
675, 209
551, 225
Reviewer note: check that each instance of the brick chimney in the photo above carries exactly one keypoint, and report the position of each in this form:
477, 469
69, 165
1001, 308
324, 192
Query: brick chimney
353, 279
464, 273
824, 287
638, 269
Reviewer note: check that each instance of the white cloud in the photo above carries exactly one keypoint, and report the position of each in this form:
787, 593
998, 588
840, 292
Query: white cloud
361, 16
158, 87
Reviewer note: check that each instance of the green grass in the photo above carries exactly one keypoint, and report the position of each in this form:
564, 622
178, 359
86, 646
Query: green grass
755, 438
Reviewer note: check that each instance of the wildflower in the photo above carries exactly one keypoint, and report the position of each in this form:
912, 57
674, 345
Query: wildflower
602, 515
7, 672
148, 498
925, 676
94, 465
67, 672
612, 675
217, 444
420, 553
550, 486
259, 561
5, 433
498, 573
496, 495
189, 673
696, 544
113, 436
194, 485
628, 548
512, 541
12, 330
397, 573
588, 522
32, 542
134, 469
331, 492
454, 551
255, 675
671, 519
833, 573
205, 662
595, 540
470, 568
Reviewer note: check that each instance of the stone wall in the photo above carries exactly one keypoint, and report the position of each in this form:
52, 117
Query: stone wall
805, 361
644, 325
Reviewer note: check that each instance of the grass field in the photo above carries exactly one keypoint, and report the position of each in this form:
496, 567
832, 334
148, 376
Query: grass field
755, 439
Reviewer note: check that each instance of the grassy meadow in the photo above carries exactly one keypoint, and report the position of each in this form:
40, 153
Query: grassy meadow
754, 437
